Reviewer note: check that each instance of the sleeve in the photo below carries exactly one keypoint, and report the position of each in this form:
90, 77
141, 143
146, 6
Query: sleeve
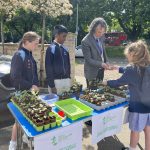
36, 81
16, 74
122, 69
125, 79
87, 55
49, 67
69, 65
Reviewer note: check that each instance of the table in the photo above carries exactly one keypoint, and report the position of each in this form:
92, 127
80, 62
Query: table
29, 130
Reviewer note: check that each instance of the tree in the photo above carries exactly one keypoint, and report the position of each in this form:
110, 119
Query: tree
21, 23
51, 8
131, 15
7, 8
88, 10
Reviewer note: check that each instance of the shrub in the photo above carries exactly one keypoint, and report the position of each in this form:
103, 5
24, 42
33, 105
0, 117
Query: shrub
115, 51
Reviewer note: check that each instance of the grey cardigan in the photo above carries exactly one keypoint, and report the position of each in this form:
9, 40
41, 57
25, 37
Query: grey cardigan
92, 56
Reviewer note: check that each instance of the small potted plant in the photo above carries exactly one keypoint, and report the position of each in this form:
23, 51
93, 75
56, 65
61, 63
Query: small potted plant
38, 124
46, 122
52, 121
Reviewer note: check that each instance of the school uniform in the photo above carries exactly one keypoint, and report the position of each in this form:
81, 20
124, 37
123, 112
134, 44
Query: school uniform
23, 71
139, 114
57, 66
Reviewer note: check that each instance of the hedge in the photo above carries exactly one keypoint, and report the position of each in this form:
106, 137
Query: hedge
115, 51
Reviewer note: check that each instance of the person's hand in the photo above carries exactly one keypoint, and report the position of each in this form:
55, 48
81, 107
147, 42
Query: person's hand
112, 67
115, 67
104, 82
109, 66
105, 65
54, 90
35, 88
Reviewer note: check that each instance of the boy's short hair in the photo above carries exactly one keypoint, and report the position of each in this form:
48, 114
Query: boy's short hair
58, 29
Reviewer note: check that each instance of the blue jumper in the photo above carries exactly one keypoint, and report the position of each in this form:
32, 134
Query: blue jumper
132, 78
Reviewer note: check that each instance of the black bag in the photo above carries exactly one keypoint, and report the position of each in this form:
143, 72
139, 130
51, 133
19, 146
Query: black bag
100, 74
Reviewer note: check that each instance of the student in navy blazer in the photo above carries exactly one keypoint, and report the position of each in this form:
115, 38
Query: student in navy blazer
24, 72
136, 76
57, 62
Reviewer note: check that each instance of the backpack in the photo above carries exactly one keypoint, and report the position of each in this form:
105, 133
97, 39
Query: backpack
145, 88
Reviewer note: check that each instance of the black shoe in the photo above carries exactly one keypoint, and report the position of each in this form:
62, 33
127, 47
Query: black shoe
89, 123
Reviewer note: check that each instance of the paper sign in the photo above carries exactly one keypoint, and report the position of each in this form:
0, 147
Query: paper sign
106, 124
65, 138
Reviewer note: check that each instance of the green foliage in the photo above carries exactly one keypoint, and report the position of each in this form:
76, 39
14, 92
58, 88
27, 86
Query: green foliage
130, 16
23, 21
115, 51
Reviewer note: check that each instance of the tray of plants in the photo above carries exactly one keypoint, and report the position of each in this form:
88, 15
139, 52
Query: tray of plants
39, 114
73, 108
98, 100
74, 91
121, 91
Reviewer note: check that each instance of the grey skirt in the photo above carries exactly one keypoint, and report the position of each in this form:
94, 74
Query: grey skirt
138, 121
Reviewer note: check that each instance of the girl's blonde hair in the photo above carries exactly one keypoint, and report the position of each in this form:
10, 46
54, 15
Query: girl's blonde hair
28, 36
140, 53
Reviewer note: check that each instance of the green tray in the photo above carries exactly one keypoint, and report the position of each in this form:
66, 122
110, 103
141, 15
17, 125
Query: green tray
58, 119
40, 128
47, 126
73, 108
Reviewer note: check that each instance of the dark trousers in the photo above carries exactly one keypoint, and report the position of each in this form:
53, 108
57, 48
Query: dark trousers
99, 77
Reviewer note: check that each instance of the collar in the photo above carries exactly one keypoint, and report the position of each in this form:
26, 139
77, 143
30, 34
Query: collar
26, 51
57, 43
96, 38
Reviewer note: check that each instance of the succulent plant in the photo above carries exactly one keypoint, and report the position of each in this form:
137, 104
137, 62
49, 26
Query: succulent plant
97, 98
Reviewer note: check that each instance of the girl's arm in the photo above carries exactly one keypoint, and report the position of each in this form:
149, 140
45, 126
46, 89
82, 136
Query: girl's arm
123, 80
121, 69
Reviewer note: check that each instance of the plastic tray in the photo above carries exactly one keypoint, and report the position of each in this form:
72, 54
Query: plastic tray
73, 108
58, 122
49, 98
106, 104
125, 91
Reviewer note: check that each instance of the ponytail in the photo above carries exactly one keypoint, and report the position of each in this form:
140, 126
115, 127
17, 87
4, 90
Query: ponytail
20, 44
28, 36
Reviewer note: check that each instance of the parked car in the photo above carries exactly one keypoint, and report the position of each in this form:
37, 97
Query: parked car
5, 91
78, 51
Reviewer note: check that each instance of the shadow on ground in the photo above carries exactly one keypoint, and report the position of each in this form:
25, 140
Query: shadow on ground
109, 143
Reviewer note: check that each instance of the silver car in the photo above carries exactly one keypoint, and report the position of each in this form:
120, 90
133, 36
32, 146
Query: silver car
78, 51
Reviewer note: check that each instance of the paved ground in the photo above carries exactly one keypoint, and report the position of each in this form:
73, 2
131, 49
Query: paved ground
110, 143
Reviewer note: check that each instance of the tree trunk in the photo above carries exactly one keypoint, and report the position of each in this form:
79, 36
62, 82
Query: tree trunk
42, 51
2, 34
